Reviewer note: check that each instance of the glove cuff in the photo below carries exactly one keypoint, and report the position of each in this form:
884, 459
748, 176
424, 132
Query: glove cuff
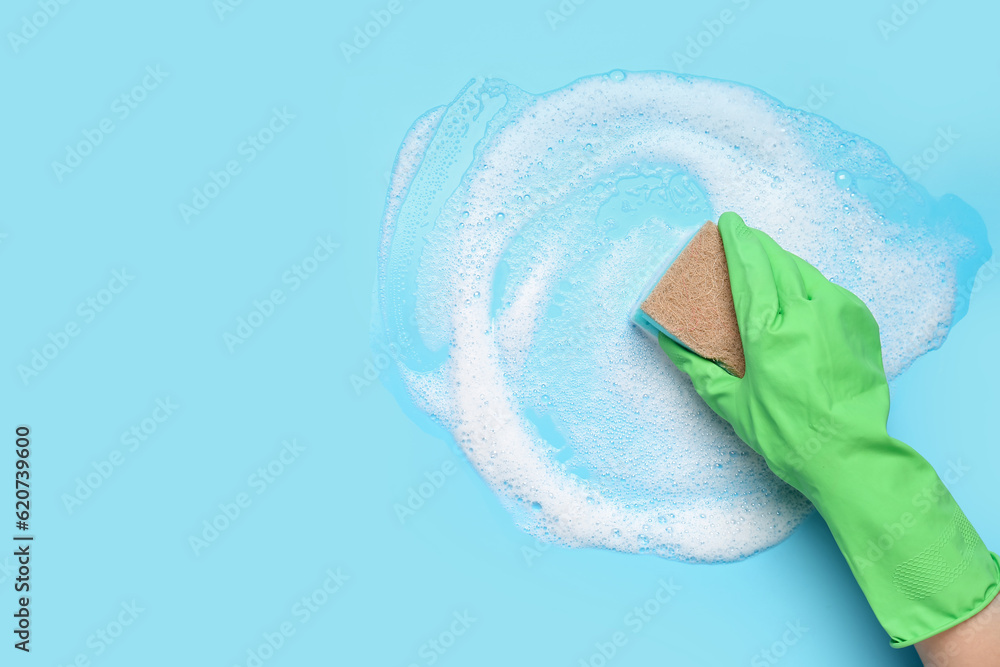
919, 561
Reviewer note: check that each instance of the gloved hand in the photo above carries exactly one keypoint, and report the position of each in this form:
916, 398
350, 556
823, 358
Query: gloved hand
814, 403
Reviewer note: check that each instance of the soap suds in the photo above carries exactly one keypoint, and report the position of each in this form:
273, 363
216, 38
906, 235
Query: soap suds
521, 229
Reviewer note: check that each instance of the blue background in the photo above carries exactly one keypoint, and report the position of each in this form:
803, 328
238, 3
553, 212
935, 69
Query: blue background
325, 174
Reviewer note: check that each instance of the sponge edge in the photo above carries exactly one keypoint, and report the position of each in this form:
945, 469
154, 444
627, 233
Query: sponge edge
693, 302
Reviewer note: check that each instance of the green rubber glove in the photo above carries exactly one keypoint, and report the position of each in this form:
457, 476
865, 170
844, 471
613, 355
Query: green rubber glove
814, 403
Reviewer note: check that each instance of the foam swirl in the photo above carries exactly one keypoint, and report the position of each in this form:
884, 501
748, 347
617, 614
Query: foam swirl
519, 231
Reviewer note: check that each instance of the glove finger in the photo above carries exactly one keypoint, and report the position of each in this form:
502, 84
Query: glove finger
712, 382
755, 295
813, 280
787, 277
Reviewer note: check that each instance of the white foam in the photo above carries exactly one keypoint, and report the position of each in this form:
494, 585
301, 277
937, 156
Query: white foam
646, 465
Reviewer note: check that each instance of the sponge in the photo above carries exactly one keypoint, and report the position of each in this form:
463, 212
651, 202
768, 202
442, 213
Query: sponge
693, 303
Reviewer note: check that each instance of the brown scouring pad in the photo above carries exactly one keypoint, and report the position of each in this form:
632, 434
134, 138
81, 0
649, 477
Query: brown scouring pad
693, 302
